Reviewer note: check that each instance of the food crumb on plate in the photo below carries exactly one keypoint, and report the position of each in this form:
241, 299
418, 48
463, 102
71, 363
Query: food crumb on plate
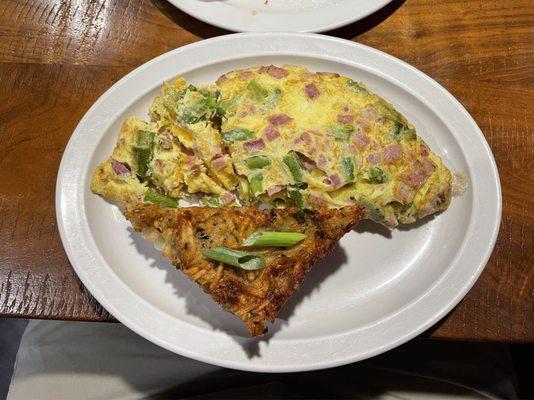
459, 184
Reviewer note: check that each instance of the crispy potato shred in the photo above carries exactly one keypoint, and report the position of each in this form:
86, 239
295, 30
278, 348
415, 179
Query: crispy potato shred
254, 296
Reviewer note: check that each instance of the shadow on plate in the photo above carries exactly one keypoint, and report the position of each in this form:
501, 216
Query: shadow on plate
204, 30
372, 227
368, 226
203, 307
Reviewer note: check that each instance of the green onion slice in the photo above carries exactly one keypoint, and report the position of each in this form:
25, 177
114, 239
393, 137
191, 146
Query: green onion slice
293, 163
348, 168
236, 258
357, 87
151, 196
258, 162
295, 195
211, 202
236, 135
256, 185
387, 111
273, 239
258, 91
342, 132
376, 175
143, 151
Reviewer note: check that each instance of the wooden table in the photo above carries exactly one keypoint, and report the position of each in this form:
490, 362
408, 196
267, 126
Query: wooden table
58, 58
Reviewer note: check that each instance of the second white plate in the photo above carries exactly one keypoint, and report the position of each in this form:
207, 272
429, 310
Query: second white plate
377, 290
279, 15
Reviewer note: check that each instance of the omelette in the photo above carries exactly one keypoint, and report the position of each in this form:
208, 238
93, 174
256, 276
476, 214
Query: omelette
323, 140
278, 136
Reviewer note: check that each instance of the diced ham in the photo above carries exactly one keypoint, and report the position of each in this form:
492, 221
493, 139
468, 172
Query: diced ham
345, 119
419, 172
423, 149
392, 153
221, 79
362, 126
311, 91
277, 72
249, 111
246, 74
403, 193
353, 149
374, 158
254, 144
195, 169
428, 166
120, 169
271, 133
308, 163
335, 180
219, 162
159, 163
303, 138
279, 119
361, 140
275, 189
191, 160
227, 198
390, 222
315, 132
321, 162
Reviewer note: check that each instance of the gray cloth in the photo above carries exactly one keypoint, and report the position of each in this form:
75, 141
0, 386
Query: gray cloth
11, 330
75, 360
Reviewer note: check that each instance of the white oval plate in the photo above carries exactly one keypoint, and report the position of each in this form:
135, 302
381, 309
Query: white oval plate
378, 290
279, 15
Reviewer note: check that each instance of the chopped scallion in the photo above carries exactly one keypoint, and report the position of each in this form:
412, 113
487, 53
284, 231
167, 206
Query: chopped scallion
342, 132
143, 149
152, 196
293, 163
295, 196
256, 185
257, 91
273, 239
348, 168
258, 162
236, 135
358, 88
387, 111
236, 258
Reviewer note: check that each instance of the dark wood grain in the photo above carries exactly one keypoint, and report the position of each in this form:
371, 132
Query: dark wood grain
58, 57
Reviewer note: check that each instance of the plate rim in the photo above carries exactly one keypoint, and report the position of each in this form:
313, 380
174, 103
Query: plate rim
62, 188
195, 10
